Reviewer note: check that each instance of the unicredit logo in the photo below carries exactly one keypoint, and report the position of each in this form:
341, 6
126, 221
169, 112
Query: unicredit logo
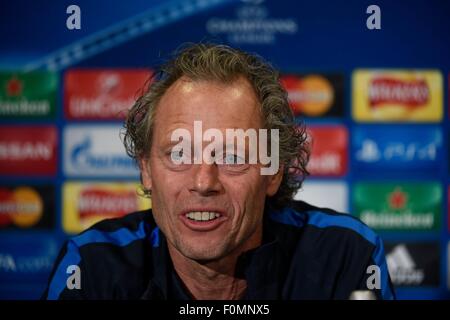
106, 103
412, 93
84, 107
101, 94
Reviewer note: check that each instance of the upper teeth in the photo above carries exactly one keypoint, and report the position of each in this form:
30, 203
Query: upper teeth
202, 215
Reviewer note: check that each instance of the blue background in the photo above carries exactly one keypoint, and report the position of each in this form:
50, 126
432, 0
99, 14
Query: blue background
331, 37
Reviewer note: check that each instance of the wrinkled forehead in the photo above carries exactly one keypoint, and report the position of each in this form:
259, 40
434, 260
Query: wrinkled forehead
235, 89
216, 104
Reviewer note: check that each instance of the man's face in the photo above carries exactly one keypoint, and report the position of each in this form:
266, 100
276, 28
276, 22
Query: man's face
233, 195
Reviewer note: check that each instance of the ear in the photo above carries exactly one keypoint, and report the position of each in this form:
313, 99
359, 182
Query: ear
275, 182
146, 176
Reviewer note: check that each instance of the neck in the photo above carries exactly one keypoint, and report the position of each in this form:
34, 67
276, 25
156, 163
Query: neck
216, 279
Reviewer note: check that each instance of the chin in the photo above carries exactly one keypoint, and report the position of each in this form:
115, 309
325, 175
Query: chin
203, 252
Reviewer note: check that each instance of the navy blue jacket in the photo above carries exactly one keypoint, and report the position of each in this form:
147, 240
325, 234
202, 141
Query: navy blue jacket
307, 253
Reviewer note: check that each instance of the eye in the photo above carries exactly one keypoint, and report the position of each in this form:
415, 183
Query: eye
233, 159
176, 155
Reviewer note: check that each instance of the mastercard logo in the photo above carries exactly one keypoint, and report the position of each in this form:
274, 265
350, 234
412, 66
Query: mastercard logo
311, 95
22, 207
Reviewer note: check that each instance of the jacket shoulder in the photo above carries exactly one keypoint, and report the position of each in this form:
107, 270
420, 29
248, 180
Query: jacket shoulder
129, 221
110, 255
324, 222
332, 247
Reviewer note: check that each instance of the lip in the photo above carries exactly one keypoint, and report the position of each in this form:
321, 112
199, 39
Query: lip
203, 226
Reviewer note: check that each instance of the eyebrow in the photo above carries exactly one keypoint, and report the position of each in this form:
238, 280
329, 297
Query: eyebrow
168, 144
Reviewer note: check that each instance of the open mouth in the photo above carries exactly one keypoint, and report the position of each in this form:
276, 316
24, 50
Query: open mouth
202, 215
203, 220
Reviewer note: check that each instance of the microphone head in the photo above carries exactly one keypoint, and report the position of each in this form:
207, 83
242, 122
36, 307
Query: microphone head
362, 295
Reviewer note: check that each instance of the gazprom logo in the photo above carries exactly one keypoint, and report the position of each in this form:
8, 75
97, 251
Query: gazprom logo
96, 151
83, 157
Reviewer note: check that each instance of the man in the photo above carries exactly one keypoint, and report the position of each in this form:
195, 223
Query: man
220, 226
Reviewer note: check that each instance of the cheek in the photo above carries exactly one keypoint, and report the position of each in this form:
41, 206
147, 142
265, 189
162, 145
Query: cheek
247, 193
251, 185
164, 180
163, 211
256, 196
167, 187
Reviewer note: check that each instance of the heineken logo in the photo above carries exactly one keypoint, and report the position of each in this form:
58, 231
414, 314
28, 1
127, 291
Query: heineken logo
14, 87
28, 94
397, 199
388, 206
405, 220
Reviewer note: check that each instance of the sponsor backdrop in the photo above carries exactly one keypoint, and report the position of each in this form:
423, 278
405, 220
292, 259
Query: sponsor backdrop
375, 102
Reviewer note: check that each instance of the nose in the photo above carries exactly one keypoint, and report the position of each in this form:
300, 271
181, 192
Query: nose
206, 179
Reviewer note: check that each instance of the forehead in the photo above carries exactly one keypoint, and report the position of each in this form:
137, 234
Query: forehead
217, 105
